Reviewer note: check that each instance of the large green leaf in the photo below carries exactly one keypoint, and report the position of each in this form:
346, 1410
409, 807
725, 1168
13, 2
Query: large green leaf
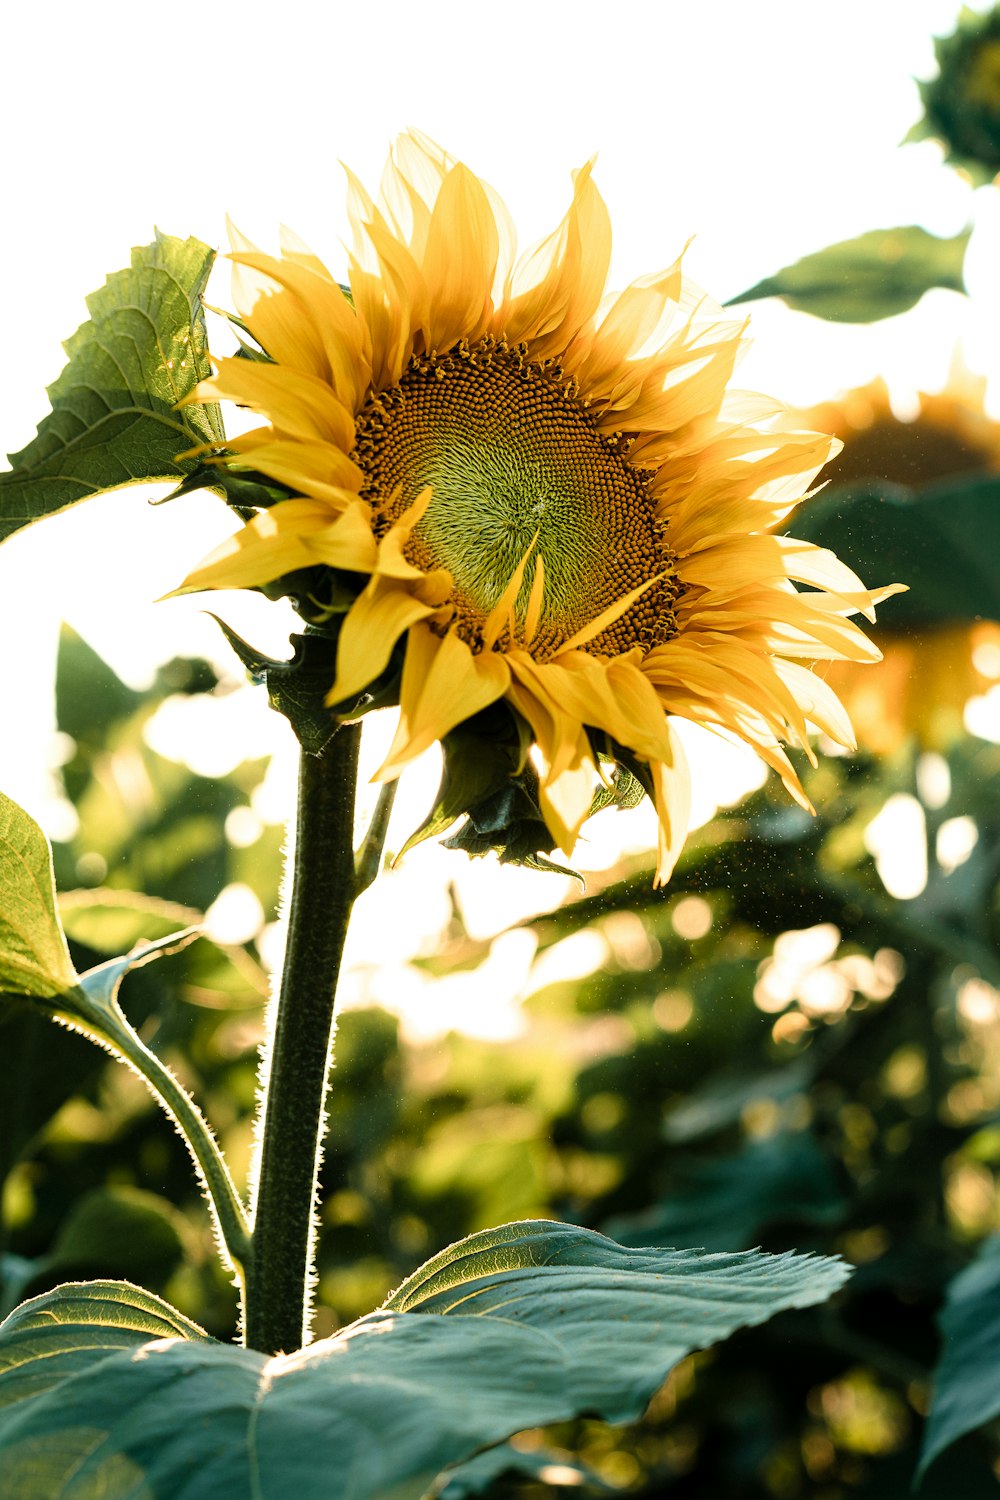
942, 541
34, 959
881, 273
538, 1322
114, 419
967, 1379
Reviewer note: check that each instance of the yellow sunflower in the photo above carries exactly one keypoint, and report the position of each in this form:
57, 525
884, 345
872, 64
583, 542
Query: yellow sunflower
541, 494
926, 676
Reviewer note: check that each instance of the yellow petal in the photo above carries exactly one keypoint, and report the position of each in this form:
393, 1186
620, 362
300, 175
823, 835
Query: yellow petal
502, 613
611, 695
276, 541
558, 286
459, 261
321, 304
608, 616
444, 683
672, 800
377, 618
319, 470
349, 543
297, 405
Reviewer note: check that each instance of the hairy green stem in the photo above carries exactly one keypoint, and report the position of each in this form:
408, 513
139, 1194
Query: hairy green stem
280, 1281
106, 1025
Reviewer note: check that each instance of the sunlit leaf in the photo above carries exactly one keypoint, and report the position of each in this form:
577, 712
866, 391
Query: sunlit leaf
538, 1322
114, 419
34, 959
967, 1379
942, 541
877, 275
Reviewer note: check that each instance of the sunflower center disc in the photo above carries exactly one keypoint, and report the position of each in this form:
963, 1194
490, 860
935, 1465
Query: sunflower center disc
512, 454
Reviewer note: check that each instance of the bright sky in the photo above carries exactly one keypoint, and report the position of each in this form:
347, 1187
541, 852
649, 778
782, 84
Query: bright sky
766, 131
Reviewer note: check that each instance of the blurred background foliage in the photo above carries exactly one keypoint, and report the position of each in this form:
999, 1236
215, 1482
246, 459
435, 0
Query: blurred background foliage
772, 1051
790, 1046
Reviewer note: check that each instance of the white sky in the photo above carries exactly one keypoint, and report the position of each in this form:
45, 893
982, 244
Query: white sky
766, 130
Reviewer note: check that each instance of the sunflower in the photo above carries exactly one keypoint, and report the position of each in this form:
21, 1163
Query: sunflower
962, 103
920, 688
533, 493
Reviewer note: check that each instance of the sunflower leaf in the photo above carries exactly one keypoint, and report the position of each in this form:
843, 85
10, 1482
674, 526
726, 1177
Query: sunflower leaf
114, 419
529, 1323
967, 1379
877, 275
936, 540
34, 958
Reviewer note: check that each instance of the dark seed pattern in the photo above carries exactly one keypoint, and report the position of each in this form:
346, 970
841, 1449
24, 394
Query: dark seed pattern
516, 461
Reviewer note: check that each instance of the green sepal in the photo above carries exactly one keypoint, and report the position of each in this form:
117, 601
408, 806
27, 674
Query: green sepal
875, 276
509, 823
247, 492
475, 768
296, 688
624, 791
115, 418
488, 780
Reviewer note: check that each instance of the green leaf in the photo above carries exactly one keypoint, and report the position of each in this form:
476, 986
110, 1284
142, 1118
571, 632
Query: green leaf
110, 1231
730, 1200
34, 959
114, 419
43, 1066
540, 1322
479, 1474
967, 1378
941, 541
877, 275
113, 921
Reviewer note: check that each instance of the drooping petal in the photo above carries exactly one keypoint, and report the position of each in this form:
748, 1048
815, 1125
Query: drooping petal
382, 612
443, 684
672, 800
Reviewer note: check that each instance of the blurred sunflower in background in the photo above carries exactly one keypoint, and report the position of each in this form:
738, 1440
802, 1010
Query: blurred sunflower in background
926, 676
512, 490
962, 103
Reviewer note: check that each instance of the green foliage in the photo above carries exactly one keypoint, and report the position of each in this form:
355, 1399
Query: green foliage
34, 959
114, 418
878, 275
653, 1090
967, 1379
940, 540
535, 1321
962, 104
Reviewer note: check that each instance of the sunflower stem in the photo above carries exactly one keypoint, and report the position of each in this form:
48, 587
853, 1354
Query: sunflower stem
281, 1273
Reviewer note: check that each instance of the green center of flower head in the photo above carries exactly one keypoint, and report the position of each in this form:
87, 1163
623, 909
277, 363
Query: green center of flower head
516, 465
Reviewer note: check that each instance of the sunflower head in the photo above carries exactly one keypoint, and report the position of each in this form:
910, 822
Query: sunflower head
962, 104
533, 514
919, 690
